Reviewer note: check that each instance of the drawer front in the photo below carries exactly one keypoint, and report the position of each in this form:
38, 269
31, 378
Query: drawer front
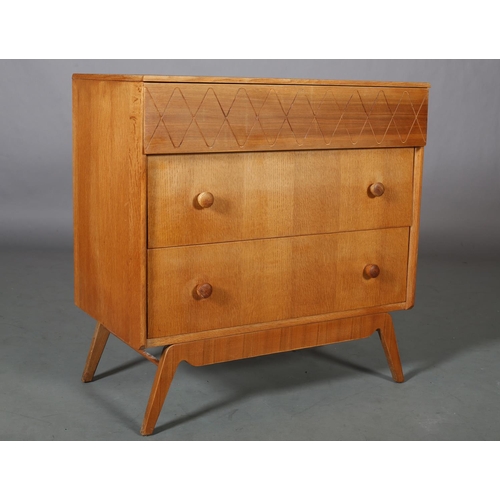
202, 118
266, 195
269, 280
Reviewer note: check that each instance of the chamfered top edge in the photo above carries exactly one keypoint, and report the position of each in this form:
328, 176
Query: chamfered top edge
244, 80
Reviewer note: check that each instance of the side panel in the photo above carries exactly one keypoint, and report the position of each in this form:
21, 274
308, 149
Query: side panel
415, 227
109, 196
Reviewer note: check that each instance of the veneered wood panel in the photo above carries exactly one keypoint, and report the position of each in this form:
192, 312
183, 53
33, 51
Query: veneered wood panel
104, 77
415, 227
199, 117
268, 280
263, 195
285, 323
109, 196
220, 350
246, 80
280, 81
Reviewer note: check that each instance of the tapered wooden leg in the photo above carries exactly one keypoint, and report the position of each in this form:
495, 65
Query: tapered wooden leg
388, 339
164, 375
101, 335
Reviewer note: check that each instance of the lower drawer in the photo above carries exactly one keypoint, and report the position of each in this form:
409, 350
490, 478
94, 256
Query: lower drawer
207, 287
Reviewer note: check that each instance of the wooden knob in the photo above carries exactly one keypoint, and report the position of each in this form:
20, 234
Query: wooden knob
371, 271
203, 291
377, 189
205, 200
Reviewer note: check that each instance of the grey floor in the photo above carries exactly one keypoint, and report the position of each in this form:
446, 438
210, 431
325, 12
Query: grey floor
449, 345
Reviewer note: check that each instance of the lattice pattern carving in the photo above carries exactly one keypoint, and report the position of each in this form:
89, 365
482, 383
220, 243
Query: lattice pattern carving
188, 118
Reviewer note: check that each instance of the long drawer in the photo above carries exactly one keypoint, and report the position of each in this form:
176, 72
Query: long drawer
195, 199
206, 287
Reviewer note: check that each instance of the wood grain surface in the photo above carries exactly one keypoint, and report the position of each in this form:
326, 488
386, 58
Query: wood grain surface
99, 340
226, 218
206, 352
389, 343
246, 80
415, 227
197, 118
280, 81
265, 195
109, 196
268, 280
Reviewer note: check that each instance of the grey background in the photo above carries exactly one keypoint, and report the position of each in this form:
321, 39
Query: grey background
449, 342
460, 205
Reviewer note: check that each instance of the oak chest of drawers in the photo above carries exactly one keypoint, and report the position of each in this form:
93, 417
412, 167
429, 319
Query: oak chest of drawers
225, 218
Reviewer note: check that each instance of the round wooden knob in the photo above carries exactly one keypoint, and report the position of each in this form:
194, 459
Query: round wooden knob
203, 291
205, 200
377, 189
371, 271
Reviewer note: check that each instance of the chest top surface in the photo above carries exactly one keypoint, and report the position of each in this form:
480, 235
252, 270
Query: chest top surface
187, 114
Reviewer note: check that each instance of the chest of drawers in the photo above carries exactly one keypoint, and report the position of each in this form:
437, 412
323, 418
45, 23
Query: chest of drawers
224, 218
